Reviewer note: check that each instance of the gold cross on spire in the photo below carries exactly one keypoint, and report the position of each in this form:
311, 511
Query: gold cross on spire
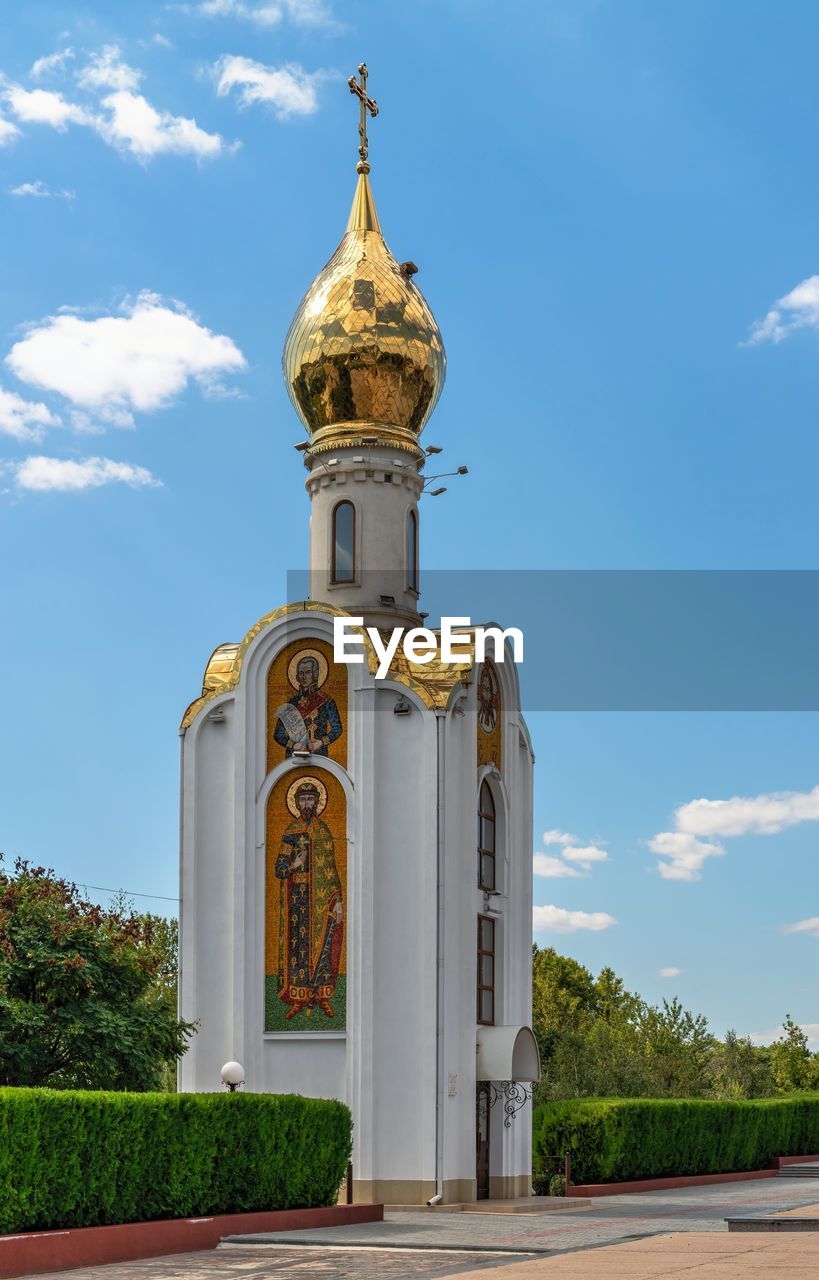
359, 88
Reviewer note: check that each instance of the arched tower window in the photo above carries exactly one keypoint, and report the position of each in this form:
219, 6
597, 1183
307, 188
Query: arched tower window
343, 542
486, 838
412, 550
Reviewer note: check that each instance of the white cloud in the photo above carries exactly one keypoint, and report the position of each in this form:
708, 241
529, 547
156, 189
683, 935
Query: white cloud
8, 131
571, 852
289, 89
268, 13
43, 106
156, 39
264, 15
39, 189
809, 926
558, 837
51, 62
115, 365
310, 13
670, 972
107, 70
764, 815
584, 855
123, 118
23, 419
134, 125
685, 854
543, 864
60, 475
798, 309
559, 920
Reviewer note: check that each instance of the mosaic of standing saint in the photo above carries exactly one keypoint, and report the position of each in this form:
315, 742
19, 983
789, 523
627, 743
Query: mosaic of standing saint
307, 703
305, 888
489, 715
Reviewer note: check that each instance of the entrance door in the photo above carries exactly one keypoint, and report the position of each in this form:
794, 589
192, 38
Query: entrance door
482, 1141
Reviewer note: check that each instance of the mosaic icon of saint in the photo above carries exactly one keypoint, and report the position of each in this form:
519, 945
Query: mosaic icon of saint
310, 720
487, 699
312, 911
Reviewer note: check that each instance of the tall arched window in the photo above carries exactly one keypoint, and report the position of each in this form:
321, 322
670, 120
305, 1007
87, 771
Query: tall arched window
486, 838
412, 550
343, 542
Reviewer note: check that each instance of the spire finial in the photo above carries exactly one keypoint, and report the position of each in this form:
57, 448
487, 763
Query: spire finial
359, 88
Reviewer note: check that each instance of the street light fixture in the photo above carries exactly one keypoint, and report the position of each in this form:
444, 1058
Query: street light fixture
233, 1074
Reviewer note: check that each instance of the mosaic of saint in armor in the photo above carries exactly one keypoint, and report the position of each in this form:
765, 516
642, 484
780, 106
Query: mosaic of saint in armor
489, 715
307, 703
305, 890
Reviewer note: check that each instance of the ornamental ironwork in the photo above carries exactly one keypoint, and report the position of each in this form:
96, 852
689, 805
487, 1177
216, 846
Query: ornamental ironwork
514, 1095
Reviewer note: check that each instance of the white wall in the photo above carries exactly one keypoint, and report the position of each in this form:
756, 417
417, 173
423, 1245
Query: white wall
383, 485
386, 1064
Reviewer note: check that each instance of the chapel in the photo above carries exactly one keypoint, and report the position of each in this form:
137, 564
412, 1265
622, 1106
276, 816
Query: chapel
356, 853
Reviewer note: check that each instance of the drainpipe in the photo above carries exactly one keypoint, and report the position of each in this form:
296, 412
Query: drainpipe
439, 962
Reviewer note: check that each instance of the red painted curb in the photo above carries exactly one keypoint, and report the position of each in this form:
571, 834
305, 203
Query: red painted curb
694, 1180
28, 1253
667, 1184
779, 1162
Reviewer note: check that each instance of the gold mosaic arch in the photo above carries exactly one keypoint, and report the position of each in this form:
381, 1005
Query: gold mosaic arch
326, 709
305, 905
433, 682
489, 716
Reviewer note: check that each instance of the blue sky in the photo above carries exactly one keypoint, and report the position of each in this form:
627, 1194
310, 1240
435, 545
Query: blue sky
614, 212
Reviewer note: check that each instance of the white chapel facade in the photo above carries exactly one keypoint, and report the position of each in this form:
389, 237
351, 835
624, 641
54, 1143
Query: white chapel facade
356, 853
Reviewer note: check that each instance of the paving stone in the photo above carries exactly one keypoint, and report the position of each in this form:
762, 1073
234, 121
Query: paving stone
655, 1234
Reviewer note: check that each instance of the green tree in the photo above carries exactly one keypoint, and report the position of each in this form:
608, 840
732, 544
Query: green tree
86, 993
794, 1066
597, 1039
676, 1047
586, 1030
740, 1069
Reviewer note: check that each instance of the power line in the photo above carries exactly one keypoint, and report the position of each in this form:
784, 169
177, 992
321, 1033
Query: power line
161, 897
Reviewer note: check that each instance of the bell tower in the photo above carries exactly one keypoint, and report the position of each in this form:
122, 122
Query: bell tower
364, 365
356, 845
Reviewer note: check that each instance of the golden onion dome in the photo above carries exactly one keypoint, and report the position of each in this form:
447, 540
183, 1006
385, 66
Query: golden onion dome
364, 354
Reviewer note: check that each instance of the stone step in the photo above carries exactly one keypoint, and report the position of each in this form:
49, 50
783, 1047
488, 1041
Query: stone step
799, 1171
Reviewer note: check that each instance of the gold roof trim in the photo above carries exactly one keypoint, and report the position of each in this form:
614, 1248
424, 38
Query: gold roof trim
361, 434
433, 682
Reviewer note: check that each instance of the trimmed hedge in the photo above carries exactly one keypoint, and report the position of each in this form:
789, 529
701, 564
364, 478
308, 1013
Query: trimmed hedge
620, 1139
83, 1159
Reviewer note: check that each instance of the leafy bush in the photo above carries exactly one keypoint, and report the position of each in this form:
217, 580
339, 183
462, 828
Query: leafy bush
87, 993
557, 1184
78, 1159
619, 1139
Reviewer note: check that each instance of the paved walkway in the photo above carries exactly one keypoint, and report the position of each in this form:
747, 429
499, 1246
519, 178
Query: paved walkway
690, 1256
609, 1220
283, 1263
642, 1237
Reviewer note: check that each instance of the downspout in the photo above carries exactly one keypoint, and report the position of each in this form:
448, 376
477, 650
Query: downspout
439, 961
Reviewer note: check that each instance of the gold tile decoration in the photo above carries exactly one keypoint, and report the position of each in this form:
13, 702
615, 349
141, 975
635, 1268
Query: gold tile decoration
434, 682
490, 715
305, 903
363, 347
306, 702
